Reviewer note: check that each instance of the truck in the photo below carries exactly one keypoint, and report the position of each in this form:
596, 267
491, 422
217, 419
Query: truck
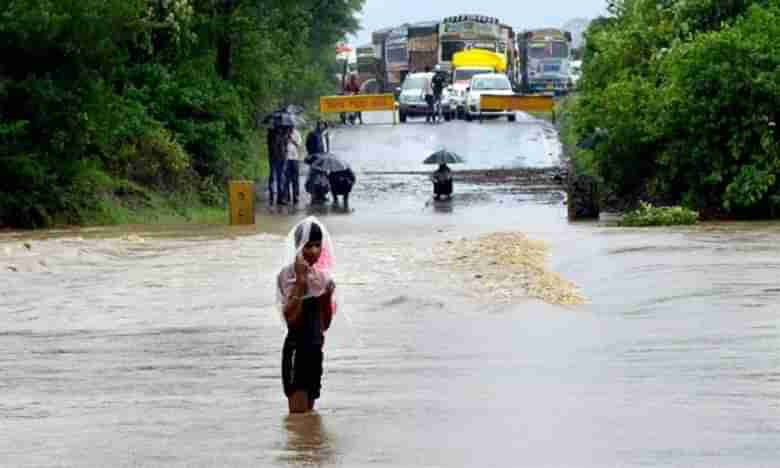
423, 46
465, 65
378, 39
546, 57
397, 56
508, 47
368, 69
464, 32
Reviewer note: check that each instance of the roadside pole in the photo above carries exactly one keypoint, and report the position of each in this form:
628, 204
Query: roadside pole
242, 202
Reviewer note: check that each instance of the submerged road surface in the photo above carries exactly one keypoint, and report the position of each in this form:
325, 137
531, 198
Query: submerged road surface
161, 347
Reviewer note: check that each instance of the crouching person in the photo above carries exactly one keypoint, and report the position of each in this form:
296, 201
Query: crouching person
442, 182
341, 183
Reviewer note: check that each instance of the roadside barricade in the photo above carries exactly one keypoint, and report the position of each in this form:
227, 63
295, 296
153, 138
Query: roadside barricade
517, 103
359, 103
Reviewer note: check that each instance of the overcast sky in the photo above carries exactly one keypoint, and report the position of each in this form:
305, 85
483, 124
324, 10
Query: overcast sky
520, 14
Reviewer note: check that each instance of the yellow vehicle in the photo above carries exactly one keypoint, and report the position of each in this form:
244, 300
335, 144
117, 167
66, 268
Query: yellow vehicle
466, 65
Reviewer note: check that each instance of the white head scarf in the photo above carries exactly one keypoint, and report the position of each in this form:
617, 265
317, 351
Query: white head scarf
319, 274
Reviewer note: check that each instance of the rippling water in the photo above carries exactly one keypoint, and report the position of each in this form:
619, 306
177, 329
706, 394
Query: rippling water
164, 349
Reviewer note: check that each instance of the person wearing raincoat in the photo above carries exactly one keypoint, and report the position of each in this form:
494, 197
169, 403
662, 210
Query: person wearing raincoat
305, 294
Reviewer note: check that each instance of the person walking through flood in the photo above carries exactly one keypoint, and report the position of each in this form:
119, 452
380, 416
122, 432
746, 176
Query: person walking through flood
292, 169
277, 157
442, 182
305, 294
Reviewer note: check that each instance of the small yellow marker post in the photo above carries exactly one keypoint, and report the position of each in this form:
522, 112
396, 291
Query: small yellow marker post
242, 202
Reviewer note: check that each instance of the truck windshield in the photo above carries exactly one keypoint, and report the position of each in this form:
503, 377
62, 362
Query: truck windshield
542, 50
481, 84
449, 48
466, 74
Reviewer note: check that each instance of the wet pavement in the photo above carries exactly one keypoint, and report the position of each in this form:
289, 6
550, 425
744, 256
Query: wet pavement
161, 346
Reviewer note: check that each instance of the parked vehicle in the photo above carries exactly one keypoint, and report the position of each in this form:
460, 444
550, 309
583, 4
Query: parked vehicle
464, 32
493, 84
546, 56
397, 55
466, 65
411, 99
423, 46
367, 64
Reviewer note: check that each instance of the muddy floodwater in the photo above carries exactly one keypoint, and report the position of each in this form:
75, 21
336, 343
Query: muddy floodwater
161, 347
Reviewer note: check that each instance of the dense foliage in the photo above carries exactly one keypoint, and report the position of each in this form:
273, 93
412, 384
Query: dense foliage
649, 215
102, 98
687, 92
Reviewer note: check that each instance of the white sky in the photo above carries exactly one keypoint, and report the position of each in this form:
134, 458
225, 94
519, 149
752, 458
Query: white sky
520, 14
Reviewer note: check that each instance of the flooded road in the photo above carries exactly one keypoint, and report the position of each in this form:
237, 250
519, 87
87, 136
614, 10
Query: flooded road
161, 346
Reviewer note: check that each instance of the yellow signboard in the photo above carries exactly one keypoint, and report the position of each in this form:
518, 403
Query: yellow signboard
242, 202
359, 103
517, 103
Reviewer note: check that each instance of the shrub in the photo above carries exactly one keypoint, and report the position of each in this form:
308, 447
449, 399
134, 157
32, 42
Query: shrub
648, 215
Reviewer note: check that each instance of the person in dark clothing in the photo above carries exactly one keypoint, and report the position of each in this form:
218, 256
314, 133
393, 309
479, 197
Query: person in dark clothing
315, 142
317, 183
442, 182
305, 293
318, 186
352, 88
438, 83
341, 183
277, 160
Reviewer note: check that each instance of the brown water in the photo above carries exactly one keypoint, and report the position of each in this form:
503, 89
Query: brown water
164, 349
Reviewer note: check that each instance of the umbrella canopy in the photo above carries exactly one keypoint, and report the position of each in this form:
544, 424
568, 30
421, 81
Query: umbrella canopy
444, 157
292, 109
288, 116
328, 162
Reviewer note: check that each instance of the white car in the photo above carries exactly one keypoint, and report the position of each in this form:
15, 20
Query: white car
461, 80
411, 100
489, 83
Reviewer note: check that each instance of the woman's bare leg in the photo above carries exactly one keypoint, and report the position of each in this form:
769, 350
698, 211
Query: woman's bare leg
298, 402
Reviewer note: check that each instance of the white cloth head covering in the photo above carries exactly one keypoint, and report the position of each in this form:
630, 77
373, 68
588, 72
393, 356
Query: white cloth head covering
319, 276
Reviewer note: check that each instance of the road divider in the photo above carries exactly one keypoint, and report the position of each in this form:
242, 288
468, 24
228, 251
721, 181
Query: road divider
518, 103
359, 103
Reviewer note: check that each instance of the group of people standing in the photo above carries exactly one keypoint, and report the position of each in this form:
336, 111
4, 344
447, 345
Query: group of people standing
286, 151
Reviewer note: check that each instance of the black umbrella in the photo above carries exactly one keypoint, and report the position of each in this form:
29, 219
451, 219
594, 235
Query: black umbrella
328, 162
292, 109
444, 157
289, 116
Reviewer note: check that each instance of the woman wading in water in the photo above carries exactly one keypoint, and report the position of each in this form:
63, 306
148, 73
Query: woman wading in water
305, 292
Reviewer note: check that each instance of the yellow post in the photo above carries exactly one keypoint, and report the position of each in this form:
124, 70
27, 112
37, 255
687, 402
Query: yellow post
242, 202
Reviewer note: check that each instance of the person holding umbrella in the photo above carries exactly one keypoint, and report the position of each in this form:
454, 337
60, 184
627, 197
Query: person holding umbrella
340, 176
442, 177
280, 122
277, 158
292, 169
